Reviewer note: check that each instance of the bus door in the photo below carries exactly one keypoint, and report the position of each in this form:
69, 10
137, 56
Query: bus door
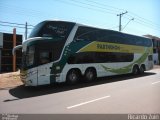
150, 61
45, 57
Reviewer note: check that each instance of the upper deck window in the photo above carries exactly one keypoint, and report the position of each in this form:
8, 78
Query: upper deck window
55, 29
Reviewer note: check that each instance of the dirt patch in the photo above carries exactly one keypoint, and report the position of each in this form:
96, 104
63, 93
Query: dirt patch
156, 67
8, 80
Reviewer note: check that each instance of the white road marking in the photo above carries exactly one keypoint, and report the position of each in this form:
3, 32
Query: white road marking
83, 103
155, 82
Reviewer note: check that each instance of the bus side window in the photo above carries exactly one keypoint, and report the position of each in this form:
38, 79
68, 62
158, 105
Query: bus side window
71, 59
150, 57
86, 33
45, 57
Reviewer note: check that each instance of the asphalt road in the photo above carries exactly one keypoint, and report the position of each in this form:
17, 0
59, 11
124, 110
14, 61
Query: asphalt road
118, 94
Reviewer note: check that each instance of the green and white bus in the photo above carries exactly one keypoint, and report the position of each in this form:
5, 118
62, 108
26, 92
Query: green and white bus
61, 51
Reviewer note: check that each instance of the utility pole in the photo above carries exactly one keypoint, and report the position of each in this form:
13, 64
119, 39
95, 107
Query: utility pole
26, 30
120, 17
14, 44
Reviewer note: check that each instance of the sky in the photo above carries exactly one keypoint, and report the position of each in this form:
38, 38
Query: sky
98, 13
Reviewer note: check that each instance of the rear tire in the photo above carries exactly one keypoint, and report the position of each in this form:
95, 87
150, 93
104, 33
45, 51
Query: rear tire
135, 70
73, 76
142, 69
90, 74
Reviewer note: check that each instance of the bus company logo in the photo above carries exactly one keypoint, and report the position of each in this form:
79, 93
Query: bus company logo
108, 47
57, 29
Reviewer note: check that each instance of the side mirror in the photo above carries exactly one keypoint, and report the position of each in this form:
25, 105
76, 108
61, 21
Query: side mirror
16, 48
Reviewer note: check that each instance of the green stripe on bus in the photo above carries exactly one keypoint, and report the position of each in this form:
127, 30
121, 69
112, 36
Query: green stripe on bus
128, 68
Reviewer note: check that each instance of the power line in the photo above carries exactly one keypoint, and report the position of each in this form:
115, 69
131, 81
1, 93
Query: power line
133, 15
10, 31
20, 10
14, 26
23, 10
144, 21
144, 24
11, 23
91, 5
86, 7
15, 23
140, 19
157, 29
105, 5
102, 7
11, 26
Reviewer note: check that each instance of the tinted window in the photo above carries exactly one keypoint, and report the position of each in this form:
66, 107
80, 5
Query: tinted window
86, 33
54, 29
45, 56
150, 57
93, 34
30, 56
100, 57
42, 52
155, 50
50, 50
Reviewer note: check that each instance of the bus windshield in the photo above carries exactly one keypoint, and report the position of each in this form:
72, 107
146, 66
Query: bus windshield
50, 49
30, 56
57, 30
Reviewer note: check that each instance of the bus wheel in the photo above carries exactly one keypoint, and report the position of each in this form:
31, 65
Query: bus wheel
142, 69
73, 76
90, 74
135, 70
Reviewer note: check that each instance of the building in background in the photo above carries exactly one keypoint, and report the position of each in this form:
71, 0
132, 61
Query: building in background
156, 48
6, 57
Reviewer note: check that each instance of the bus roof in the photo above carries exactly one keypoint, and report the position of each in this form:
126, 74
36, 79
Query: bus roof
79, 24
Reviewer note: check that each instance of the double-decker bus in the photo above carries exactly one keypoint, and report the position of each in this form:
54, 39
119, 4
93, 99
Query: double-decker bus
61, 51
